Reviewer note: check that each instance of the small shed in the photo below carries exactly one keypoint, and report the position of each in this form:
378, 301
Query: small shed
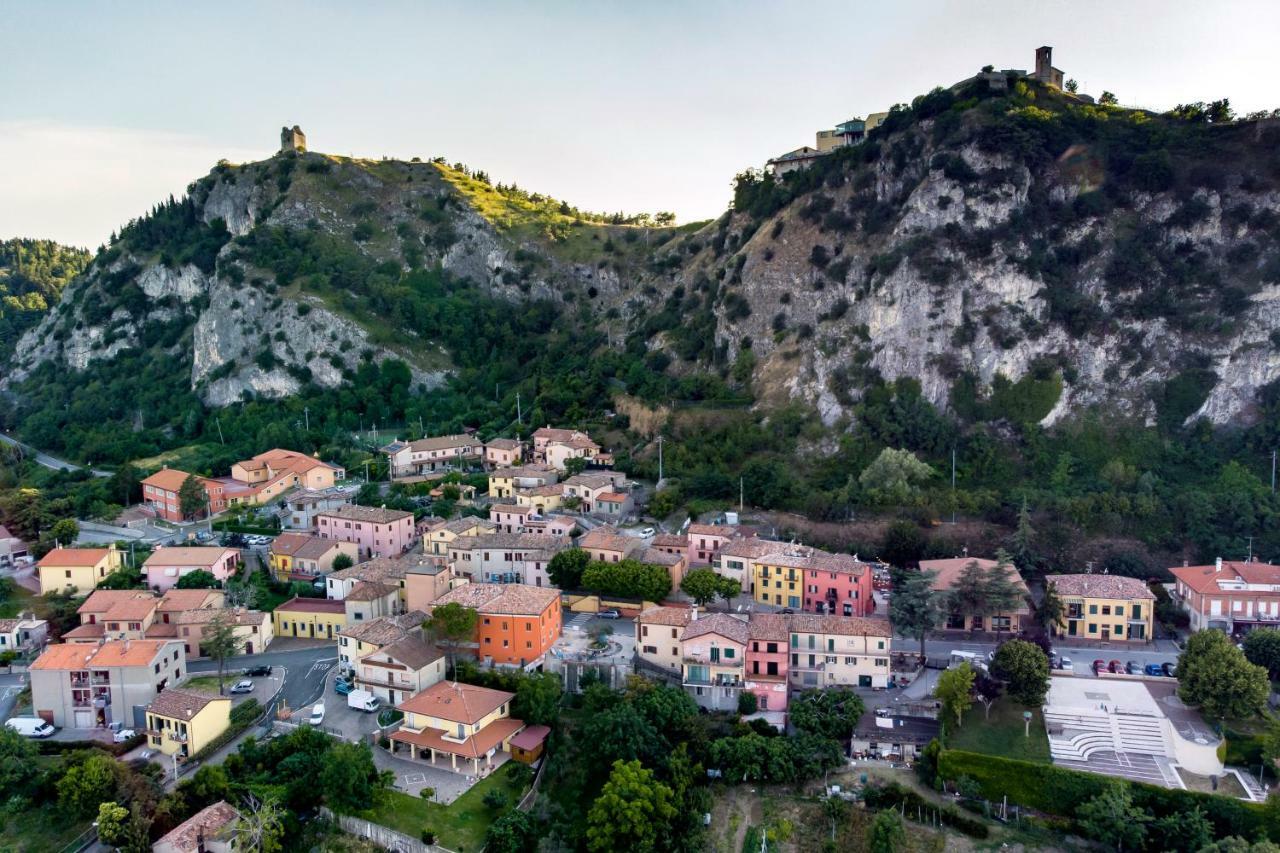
527, 745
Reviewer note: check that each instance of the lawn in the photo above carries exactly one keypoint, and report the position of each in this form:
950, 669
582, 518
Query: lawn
209, 683
459, 826
15, 599
1002, 734
40, 829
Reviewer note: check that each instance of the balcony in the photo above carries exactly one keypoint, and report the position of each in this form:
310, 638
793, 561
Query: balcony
732, 663
713, 681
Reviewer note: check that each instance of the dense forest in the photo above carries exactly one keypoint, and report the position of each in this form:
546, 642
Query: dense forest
32, 276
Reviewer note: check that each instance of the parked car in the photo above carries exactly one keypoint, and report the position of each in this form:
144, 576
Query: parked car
611, 613
786, 610
258, 671
1065, 665
1099, 665
245, 686
1133, 668
30, 726
342, 686
1170, 669
123, 735
1115, 666
1154, 669
317, 714
647, 532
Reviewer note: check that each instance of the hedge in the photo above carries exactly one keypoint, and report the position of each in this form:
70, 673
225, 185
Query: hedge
56, 747
1059, 791
893, 795
228, 527
1244, 750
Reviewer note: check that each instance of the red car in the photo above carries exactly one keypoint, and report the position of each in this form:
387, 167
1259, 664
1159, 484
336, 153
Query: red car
1116, 666
1099, 665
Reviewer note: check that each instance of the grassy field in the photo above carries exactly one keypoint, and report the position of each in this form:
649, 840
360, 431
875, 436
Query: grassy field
17, 599
37, 830
1002, 734
209, 683
459, 826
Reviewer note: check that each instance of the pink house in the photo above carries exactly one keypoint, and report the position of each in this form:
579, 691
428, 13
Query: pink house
769, 636
166, 565
839, 585
378, 531
706, 539
510, 518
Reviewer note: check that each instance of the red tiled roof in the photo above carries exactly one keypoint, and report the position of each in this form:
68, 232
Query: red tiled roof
456, 702
476, 746
313, 605
59, 557
1205, 578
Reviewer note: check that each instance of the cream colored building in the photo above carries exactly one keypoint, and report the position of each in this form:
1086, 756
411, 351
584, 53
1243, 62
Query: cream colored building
183, 722
450, 721
658, 632
1104, 607
80, 569
397, 671
839, 651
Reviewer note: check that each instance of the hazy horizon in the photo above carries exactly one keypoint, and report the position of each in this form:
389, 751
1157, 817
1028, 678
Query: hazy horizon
109, 109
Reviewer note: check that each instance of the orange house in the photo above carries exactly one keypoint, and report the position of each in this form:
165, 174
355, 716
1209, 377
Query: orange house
160, 492
517, 624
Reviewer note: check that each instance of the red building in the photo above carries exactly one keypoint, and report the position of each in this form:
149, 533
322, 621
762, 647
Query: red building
837, 584
160, 493
768, 641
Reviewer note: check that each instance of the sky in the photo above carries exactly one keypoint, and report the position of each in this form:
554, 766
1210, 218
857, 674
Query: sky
106, 108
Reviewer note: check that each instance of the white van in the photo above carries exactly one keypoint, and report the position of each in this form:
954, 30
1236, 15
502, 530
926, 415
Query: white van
30, 726
362, 700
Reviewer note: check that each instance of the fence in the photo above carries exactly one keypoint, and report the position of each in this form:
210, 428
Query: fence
382, 836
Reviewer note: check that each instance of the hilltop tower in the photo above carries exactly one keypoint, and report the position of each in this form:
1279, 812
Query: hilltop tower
1045, 72
292, 139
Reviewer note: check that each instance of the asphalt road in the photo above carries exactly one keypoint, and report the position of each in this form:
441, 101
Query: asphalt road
48, 461
305, 670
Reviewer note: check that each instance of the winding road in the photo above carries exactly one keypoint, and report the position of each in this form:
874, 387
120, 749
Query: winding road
49, 461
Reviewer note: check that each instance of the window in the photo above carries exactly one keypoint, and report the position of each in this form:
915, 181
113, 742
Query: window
650, 650
1093, 608
850, 661
728, 653
1093, 628
1119, 610
1118, 631
1137, 611
1106, 610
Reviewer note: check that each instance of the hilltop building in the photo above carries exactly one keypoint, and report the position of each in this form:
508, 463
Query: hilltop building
293, 139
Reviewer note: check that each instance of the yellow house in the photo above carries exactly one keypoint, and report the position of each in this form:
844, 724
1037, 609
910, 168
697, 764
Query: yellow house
779, 580
504, 482
185, 721
304, 556
312, 618
438, 538
1104, 607
80, 568
541, 498
451, 720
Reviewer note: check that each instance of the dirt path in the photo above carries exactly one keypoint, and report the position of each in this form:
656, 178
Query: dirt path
736, 809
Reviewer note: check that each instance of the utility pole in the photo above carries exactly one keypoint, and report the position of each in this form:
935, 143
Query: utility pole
218, 421
1273, 472
953, 485
741, 494
366, 470
306, 413
421, 428
660, 440
520, 420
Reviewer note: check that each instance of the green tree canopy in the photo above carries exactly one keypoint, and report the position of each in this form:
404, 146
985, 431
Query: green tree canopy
955, 691
88, 784
566, 568
831, 713
1262, 647
220, 642
342, 561
1215, 676
18, 763
1112, 818
913, 607
191, 497
894, 477
632, 812
1024, 667
704, 586
538, 699
199, 579
886, 833
451, 624
628, 579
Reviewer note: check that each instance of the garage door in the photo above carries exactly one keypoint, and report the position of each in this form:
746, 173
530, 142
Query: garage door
84, 719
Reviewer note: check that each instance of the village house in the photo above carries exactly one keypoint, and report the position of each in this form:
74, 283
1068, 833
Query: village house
736, 559
357, 640
673, 563
607, 545
302, 507
310, 618
210, 830
160, 494
441, 536
427, 456
839, 651
658, 632
510, 518
798, 158
12, 549
371, 600
269, 475
24, 633
541, 499
705, 539
425, 581
138, 614
520, 558
882, 734
948, 573
830, 583
388, 571
505, 482
1233, 596
588, 488
503, 452
182, 722
765, 675
556, 525
376, 531
518, 624
401, 669
671, 543
558, 452
570, 440
83, 686
252, 628
1104, 607
713, 650
165, 565
81, 569
460, 721
305, 556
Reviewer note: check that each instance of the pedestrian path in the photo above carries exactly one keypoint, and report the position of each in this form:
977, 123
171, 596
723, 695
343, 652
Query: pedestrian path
578, 622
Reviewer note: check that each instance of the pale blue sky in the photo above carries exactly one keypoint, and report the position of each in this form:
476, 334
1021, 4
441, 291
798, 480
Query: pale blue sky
106, 107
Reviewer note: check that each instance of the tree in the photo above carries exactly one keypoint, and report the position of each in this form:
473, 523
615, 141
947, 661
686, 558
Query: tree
566, 568
1025, 668
1022, 538
342, 561
125, 577
538, 699
704, 586
18, 760
1214, 675
1002, 593
968, 596
894, 476
1072, 86
220, 642
1051, 610
622, 733
986, 690
903, 544
450, 624
886, 834
1108, 99
828, 713
1262, 647
260, 827
199, 579
748, 703
955, 691
65, 531
494, 800
1271, 740
913, 607
88, 784
628, 579
1111, 817
348, 778
191, 497
1188, 831
112, 821
514, 832
632, 812
574, 465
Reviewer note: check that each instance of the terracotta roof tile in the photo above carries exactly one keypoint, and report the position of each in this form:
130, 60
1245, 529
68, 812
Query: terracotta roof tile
511, 599
109, 654
198, 555
1100, 586
370, 514
207, 823
729, 627
69, 557
457, 702
182, 704
676, 617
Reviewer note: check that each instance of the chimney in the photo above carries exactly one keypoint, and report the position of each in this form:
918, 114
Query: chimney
693, 614
1217, 565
